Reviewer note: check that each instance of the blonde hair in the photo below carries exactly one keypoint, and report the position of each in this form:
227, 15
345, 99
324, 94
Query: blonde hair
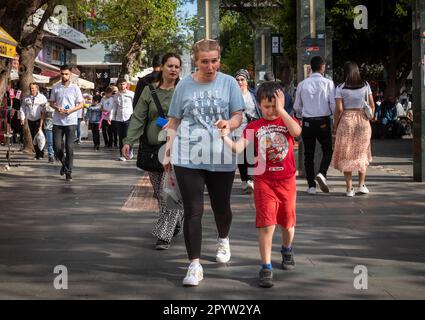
205, 45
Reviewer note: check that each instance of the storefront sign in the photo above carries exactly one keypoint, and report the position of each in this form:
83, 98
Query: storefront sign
51, 25
277, 44
7, 45
7, 50
72, 35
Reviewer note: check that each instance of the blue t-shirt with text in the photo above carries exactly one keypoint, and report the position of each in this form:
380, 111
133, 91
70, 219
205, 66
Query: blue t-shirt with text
199, 106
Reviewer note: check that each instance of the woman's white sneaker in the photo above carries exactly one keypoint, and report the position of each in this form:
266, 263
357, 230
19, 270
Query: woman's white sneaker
363, 190
194, 274
350, 193
223, 251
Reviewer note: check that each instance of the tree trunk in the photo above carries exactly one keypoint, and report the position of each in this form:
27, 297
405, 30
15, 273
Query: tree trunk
13, 16
26, 64
398, 68
30, 45
132, 54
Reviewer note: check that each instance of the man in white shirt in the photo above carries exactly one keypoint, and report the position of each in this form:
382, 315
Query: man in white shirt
66, 99
32, 109
315, 103
400, 110
122, 109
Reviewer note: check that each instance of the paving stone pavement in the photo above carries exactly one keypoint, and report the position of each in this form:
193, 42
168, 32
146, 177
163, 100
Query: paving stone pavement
91, 226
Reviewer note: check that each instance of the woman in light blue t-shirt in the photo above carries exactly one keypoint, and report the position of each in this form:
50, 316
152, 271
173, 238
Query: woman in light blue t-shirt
203, 104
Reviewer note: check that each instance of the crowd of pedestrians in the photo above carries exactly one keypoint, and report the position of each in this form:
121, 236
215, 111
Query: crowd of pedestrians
209, 124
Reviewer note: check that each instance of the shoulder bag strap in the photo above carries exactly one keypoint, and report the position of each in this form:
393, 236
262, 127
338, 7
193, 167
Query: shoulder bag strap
156, 101
366, 97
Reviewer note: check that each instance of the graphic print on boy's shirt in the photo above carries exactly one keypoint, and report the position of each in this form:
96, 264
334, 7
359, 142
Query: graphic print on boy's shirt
274, 146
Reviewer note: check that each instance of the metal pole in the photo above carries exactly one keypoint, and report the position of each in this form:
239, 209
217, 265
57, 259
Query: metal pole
311, 41
418, 103
207, 19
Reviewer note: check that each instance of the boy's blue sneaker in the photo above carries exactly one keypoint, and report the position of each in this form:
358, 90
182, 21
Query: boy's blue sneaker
266, 278
288, 262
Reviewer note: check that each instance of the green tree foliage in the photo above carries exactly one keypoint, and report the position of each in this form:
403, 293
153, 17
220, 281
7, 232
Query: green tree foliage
386, 42
132, 25
237, 41
383, 50
238, 21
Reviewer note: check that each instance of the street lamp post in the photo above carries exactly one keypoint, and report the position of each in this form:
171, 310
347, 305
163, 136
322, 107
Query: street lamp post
208, 19
311, 41
418, 79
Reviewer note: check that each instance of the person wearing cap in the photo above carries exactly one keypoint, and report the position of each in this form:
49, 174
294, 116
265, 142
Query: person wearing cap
252, 112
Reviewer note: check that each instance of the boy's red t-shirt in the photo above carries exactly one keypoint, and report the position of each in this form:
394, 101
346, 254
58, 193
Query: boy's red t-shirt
274, 148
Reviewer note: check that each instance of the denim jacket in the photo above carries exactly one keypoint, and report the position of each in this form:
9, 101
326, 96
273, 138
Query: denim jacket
93, 114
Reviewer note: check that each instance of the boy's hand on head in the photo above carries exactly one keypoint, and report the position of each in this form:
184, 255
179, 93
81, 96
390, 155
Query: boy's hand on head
280, 100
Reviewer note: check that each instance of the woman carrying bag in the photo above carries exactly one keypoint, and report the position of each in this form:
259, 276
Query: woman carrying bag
147, 122
352, 150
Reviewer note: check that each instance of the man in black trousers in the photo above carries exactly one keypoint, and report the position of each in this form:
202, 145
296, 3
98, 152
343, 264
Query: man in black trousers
315, 103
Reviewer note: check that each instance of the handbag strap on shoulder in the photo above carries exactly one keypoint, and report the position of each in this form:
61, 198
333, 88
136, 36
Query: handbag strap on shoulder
156, 101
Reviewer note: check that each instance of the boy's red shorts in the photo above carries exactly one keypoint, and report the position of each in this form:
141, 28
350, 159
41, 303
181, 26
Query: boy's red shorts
275, 202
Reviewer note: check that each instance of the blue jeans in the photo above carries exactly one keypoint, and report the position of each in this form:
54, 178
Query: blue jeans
66, 157
78, 129
49, 139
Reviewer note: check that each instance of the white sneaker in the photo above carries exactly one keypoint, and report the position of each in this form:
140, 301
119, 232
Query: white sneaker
350, 193
223, 251
323, 183
363, 190
122, 159
194, 275
311, 190
249, 186
244, 185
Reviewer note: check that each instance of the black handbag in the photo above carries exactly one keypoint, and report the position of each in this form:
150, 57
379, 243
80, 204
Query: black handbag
147, 155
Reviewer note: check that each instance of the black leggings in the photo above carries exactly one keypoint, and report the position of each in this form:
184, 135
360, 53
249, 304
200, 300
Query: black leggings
191, 183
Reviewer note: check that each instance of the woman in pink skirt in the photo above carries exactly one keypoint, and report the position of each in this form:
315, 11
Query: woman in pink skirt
352, 150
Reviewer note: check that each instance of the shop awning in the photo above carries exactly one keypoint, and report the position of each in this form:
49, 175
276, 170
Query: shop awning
84, 84
49, 73
7, 45
38, 78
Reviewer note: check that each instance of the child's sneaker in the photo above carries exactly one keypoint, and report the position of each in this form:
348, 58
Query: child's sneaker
249, 186
223, 251
266, 278
288, 262
194, 275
